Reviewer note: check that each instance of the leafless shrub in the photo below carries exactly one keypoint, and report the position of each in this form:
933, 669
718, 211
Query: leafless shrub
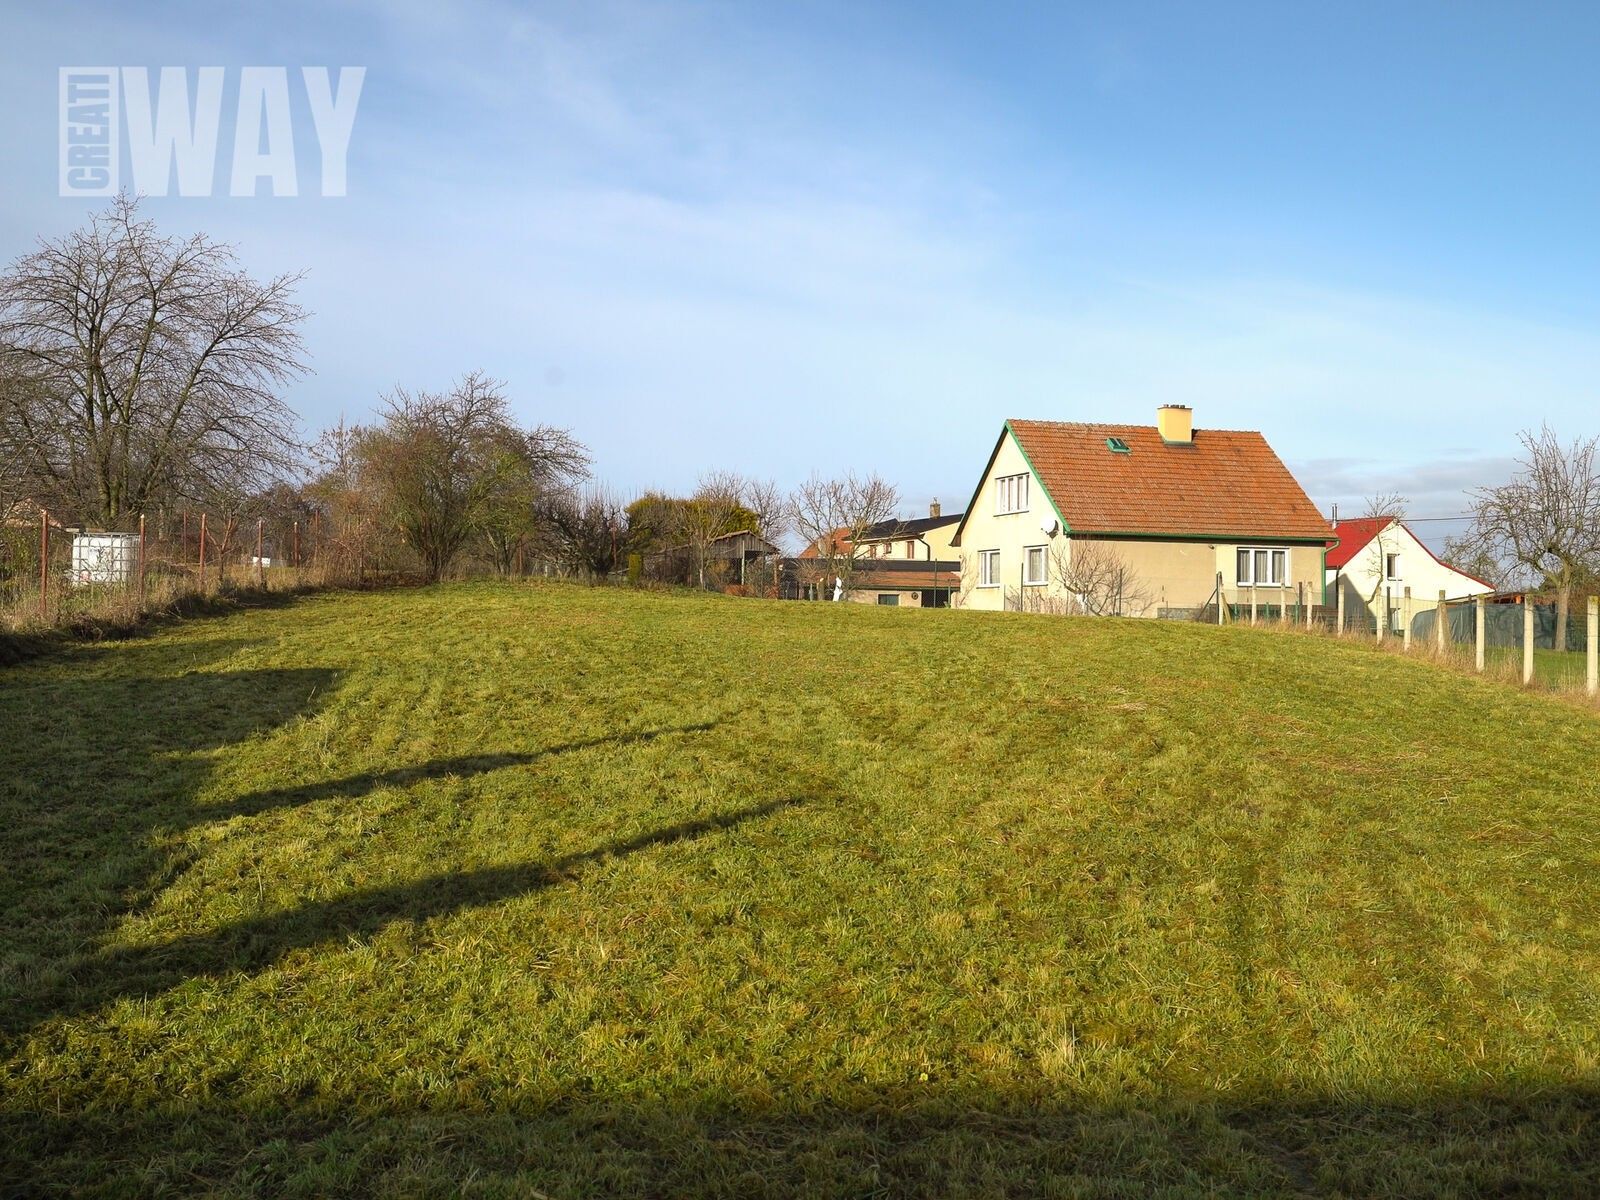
1097, 579
584, 532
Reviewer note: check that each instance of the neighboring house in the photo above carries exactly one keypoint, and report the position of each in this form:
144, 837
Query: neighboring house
1377, 558
902, 563
1137, 520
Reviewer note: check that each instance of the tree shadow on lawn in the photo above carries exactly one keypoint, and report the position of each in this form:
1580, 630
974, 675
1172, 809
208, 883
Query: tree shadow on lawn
356, 786
103, 758
100, 762
255, 943
948, 1142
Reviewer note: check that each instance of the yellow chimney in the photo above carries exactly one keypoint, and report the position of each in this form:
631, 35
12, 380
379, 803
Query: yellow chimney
1176, 424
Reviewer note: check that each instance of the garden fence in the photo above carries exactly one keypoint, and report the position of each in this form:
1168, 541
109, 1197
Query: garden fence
53, 572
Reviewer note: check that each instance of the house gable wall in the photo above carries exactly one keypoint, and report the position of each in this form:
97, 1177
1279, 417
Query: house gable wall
1363, 581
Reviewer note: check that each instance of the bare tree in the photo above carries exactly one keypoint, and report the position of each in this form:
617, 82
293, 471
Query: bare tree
765, 500
1547, 519
832, 515
1097, 579
152, 365
531, 465
585, 532
442, 459
705, 516
1388, 508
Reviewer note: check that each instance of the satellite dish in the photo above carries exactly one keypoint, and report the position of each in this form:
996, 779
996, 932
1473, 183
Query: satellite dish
1050, 525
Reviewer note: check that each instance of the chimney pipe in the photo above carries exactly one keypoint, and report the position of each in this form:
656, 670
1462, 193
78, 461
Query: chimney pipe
1176, 424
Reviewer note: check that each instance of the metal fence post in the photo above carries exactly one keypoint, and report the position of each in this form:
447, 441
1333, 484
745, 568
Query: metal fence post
1443, 616
1592, 645
1527, 641
1405, 637
202, 552
141, 560
1482, 614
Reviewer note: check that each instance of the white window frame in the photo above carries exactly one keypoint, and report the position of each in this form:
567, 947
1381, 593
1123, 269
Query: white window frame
989, 568
1011, 494
1044, 566
1391, 556
1272, 553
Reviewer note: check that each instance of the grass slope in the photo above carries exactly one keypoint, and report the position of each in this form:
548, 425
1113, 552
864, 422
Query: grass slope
503, 890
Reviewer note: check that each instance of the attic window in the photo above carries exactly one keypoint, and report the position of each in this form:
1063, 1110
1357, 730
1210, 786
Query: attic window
1117, 446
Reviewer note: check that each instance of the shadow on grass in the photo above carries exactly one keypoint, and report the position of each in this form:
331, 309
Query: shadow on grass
257, 942
990, 1143
103, 756
464, 765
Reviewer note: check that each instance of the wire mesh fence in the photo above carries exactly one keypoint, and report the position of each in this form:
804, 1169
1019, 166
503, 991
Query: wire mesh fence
53, 573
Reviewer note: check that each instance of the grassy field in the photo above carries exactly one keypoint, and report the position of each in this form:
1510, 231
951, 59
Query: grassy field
501, 890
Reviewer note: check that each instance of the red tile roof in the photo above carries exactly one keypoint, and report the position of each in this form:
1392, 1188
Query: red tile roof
1354, 534
1226, 483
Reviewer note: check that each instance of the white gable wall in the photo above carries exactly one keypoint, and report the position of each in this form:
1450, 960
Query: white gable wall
1364, 580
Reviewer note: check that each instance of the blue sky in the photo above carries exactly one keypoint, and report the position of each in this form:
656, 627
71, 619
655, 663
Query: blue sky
859, 236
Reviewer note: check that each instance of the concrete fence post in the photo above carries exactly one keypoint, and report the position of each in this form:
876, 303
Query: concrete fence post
44, 563
1283, 602
1527, 640
1338, 604
1387, 598
1252, 604
1441, 631
261, 563
1405, 635
1592, 645
1479, 634
1219, 598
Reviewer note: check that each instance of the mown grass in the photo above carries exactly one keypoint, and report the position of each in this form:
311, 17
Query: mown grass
510, 890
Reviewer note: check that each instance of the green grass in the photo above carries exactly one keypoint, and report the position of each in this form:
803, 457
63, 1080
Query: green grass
1562, 670
512, 890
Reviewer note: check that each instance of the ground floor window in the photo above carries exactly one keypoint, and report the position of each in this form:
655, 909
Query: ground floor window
1033, 566
1262, 566
988, 568
892, 600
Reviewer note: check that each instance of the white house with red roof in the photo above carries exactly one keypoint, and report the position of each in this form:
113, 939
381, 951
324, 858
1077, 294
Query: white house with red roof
1378, 558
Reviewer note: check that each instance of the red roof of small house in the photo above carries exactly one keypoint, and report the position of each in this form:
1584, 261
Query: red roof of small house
1353, 535
1224, 483
840, 540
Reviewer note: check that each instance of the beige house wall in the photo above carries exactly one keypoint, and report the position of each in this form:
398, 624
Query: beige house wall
937, 539
1166, 574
